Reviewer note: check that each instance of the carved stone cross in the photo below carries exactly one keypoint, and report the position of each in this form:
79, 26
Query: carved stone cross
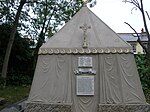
85, 28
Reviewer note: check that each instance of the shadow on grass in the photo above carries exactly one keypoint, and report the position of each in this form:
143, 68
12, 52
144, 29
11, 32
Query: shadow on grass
13, 94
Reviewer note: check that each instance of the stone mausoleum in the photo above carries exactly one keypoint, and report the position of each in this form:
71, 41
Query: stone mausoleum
86, 67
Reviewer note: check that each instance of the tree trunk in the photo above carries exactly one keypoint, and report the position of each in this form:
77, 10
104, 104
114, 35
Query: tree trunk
144, 20
148, 52
11, 40
147, 32
139, 5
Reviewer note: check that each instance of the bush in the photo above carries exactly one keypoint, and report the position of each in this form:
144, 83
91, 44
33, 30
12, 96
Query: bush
17, 79
144, 71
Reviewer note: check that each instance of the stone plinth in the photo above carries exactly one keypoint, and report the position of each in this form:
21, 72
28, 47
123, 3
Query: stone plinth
36, 107
124, 108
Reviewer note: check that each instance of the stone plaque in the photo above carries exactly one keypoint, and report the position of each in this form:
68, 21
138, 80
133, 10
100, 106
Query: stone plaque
85, 85
85, 61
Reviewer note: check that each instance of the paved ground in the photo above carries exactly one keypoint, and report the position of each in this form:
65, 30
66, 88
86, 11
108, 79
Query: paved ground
17, 107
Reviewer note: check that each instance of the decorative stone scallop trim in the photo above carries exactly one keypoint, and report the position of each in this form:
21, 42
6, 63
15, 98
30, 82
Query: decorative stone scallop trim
84, 51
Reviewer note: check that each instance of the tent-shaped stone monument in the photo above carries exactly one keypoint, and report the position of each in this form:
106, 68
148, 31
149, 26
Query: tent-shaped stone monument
86, 67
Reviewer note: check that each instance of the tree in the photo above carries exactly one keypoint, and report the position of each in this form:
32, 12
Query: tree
11, 40
138, 4
21, 54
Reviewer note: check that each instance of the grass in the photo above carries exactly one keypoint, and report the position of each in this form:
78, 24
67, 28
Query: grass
13, 94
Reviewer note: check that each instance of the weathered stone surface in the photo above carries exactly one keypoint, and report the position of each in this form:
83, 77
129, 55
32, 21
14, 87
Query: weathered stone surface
2, 101
35, 107
124, 108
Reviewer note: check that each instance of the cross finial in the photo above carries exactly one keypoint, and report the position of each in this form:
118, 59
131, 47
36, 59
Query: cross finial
85, 2
85, 28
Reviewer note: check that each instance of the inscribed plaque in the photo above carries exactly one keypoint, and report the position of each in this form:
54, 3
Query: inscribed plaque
85, 61
85, 85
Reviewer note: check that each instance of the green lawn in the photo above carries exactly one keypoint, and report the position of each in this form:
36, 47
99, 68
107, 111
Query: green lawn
13, 94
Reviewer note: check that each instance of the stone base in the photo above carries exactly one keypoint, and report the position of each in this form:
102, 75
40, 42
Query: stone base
36, 107
124, 108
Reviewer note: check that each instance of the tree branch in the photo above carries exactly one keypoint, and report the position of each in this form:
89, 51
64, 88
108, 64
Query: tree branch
147, 15
137, 35
134, 2
144, 20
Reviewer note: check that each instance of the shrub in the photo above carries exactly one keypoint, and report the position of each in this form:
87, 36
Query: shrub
144, 71
17, 79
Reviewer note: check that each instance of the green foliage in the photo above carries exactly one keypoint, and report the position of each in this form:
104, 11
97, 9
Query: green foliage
144, 71
18, 79
7, 10
37, 14
39, 18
